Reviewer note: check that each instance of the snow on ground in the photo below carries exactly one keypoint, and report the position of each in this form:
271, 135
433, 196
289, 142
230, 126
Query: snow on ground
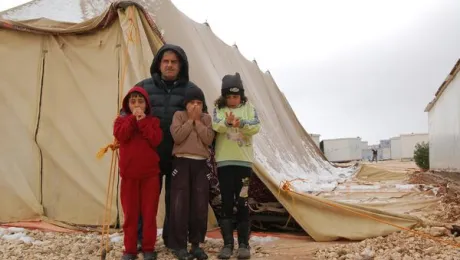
19, 234
263, 240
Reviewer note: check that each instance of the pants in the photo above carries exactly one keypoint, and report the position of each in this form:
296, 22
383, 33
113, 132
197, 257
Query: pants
166, 169
232, 180
374, 158
189, 202
139, 197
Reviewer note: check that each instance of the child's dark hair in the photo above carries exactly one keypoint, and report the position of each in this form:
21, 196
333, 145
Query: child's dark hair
136, 94
221, 102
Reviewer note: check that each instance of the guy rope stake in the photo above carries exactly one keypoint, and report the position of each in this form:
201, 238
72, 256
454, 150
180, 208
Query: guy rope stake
105, 239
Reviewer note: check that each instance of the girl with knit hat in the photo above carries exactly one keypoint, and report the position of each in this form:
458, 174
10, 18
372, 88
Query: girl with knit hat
236, 122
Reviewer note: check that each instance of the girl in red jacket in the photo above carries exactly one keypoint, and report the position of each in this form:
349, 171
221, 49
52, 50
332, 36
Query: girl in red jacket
139, 134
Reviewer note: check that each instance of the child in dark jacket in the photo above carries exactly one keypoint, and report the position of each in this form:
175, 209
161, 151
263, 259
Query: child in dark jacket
193, 134
138, 134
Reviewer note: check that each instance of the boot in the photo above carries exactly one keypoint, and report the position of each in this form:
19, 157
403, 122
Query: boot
128, 257
198, 253
150, 255
244, 229
182, 254
226, 229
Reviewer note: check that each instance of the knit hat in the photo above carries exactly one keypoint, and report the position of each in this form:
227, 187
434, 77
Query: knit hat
232, 85
193, 93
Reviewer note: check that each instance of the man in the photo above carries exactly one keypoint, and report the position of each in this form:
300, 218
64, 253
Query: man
166, 90
374, 155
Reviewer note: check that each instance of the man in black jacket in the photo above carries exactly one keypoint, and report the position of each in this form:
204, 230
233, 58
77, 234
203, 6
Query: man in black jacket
166, 89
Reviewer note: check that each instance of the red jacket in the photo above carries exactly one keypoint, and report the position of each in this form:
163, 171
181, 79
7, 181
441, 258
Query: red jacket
138, 141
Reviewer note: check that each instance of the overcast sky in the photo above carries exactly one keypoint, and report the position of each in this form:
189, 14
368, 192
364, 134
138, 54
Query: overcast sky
348, 68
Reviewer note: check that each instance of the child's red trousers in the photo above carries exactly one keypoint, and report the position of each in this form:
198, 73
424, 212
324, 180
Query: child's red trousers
140, 196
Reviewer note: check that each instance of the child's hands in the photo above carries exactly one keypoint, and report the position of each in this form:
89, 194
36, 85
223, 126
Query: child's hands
194, 111
236, 123
138, 113
230, 118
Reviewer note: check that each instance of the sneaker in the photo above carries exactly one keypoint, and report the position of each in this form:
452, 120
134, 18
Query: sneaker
244, 252
198, 253
128, 257
150, 255
182, 254
226, 252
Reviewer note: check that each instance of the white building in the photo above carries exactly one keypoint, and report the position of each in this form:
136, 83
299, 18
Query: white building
343, 149
408, 142
444, 124
366, 153
384, 151
395, 148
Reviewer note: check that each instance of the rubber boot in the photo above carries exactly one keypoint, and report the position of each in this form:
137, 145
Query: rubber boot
244, 229
226, 229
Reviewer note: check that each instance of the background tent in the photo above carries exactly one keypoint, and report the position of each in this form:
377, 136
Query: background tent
61, 87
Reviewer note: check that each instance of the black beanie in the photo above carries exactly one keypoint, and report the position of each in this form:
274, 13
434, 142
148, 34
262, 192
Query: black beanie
232, 85
193, 93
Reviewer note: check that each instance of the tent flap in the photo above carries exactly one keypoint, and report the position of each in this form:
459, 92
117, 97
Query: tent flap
19, 109
79, 104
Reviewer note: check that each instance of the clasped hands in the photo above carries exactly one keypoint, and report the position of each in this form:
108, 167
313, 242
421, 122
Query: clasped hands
232, 120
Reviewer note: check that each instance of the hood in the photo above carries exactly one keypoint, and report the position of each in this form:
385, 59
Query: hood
155, 67
143, 93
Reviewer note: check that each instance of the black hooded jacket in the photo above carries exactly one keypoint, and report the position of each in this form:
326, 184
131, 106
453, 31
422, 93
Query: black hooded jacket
166, 100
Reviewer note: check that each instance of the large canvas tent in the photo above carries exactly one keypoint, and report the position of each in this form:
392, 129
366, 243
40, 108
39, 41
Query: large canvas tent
61, 85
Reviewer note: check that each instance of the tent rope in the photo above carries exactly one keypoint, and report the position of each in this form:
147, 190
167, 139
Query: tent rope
288, 188
114, 146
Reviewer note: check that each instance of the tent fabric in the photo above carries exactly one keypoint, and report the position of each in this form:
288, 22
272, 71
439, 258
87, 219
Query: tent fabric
20, 190
374, 174
326, 220
62, 84
68, 88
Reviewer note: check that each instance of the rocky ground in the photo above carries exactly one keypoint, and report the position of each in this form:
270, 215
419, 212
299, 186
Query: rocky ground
398, 246
18, 243
407, 245
444, 242
448, 209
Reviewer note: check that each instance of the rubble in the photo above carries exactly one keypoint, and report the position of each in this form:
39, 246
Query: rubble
397, 246
33, 244
408, 245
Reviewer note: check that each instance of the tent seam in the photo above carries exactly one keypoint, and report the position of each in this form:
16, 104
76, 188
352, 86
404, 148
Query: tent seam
37, 126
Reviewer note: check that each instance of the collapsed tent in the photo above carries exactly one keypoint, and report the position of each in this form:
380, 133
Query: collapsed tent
61, 88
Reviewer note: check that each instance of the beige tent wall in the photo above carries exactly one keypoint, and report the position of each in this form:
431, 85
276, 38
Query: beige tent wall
21, 61
79, 105
136, 55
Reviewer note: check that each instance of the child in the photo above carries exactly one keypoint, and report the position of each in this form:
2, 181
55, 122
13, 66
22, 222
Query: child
235, 121
139, 134
193, 134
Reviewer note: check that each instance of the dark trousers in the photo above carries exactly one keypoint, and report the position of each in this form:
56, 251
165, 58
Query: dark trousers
166, 169
232, 179
189, 202
374, 158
